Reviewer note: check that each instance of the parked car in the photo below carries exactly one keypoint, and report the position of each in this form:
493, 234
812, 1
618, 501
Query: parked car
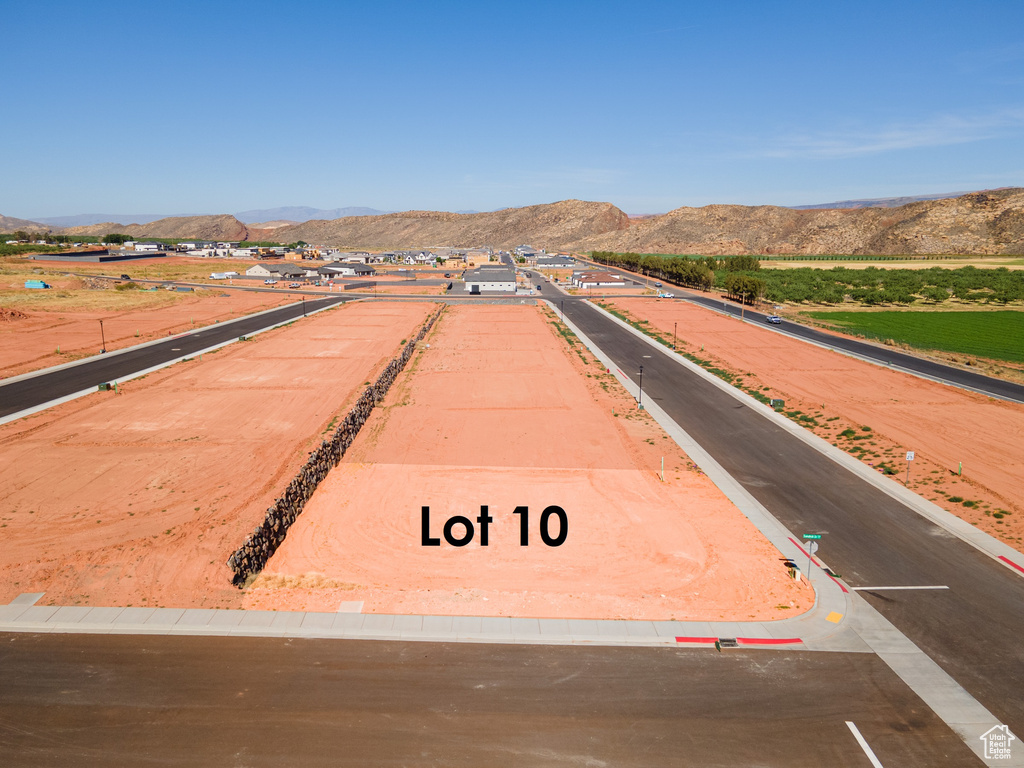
270, 282
294, 285
126, 277
773, 319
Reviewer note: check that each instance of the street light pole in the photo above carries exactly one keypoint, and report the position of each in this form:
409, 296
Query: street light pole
561, 309
674, 326
103, 338
640, 400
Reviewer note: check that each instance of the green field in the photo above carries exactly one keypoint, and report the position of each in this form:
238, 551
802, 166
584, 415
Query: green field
997, 335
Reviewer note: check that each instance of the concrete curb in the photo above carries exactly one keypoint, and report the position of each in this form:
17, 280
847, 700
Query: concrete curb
869, 629
136, 374
143, 345
832, 598
22, 615
1004, 554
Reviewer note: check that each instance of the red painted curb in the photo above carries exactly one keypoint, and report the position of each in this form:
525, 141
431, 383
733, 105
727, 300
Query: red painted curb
837, 581
1010, 562
807, 555
696, 639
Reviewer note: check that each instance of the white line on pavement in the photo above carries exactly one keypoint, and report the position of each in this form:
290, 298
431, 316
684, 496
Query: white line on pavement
875, 589
864, 745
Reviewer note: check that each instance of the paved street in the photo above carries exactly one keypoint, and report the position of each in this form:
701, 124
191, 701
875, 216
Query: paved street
144, 700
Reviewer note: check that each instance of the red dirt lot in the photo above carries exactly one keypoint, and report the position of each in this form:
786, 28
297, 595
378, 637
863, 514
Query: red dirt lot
499, 411
31, 343
139, 498
943, 425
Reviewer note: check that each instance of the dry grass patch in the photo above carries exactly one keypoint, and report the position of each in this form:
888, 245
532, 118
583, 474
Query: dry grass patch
310, 580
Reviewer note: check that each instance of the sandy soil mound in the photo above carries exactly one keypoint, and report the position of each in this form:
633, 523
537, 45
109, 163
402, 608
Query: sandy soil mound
10, 315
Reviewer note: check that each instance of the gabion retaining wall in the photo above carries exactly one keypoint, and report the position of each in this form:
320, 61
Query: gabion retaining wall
250, 558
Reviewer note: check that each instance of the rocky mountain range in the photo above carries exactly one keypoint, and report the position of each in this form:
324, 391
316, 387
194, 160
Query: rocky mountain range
879, 202
989, 222
976, 223
223, 227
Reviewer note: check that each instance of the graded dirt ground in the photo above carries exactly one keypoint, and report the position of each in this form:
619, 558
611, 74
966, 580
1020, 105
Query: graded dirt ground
502, 409
138, 498
872, 412
67, 327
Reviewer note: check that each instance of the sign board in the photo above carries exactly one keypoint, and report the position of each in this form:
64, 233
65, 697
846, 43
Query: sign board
812, 536
910, 455
812, 547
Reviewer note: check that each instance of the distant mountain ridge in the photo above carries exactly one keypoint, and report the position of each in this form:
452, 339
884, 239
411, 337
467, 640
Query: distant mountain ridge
301, 213
879, 202
88, 219
990, 222
292, 213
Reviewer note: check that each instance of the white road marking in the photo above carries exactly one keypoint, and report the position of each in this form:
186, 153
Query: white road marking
864, 745
875, 589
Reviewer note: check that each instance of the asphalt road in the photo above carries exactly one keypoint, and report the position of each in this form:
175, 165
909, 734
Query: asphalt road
89, 700
30, 392
884, 355
973, 629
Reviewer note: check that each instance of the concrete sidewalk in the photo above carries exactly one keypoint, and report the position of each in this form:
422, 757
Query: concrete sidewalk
808, 631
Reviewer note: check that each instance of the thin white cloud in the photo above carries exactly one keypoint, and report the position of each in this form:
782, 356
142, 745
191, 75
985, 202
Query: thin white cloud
944, 130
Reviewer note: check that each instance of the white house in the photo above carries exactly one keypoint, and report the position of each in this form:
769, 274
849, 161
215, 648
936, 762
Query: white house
490, 279
596, 279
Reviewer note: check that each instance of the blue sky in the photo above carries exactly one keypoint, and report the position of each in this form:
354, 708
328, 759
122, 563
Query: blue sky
216, 107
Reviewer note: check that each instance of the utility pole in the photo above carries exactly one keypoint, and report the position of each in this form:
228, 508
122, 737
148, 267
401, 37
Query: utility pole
640, 401
103, 338
674, 326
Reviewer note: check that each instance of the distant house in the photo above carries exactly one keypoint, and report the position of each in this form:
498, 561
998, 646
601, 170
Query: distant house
347, 270
148, 246
555, 262
493, 278
277, 271
596, 279
355, 257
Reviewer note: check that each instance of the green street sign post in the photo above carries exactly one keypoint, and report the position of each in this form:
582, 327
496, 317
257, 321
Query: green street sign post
811, 549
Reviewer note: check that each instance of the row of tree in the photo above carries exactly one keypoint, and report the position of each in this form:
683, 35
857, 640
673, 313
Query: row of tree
742, 278
743, 287
681, 271
893, 286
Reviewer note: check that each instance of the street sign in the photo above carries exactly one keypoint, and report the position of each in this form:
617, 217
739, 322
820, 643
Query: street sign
812, 547
910, 455
812, 535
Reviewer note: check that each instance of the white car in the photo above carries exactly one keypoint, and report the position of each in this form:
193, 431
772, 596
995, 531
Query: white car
666, 295
773, 319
